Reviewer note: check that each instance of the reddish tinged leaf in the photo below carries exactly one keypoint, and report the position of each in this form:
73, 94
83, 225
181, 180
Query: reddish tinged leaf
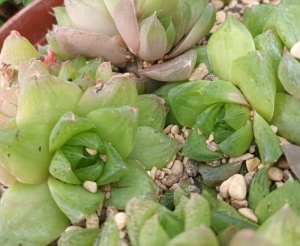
292, 154
127, 24
90, 44
177, 69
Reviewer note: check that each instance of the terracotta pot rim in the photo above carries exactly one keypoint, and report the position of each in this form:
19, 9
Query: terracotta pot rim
32, 22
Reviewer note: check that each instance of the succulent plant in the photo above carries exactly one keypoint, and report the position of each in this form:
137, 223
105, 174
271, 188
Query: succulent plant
74, 124
126, 31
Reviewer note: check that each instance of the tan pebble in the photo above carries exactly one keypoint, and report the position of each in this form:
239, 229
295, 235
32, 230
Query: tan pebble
218, 188
232, 4
149, 173
213, 146
175, 129
170, 135
238, 189
186, 133
111, 211
167, 171
107, 195
72, 228
249, 214
295, 50
120, 219
243, 157
250, 2
185, 160
237, 16
153, 172
286, 175
279, 184
224, 187
90, 186
103, 157
261, 165
162, 186
122, 234
220, 197
248, 178
92, 221
124, 242
199, 72
170, 180
105, 188
221, 16
283, 164
177, 168
237, 204
274, 128
160, 175
180, 138
218, 4
99, 209
174, 186
266, 1
252, 148
91, 151
275, 174
167, 130
252, 164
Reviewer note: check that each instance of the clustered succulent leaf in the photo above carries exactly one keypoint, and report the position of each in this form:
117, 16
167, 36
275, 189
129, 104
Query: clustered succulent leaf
123, 31
69, 118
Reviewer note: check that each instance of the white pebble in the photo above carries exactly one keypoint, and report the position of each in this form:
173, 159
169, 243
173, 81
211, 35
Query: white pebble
238, 189
249, 214
224, 187
92, 221
175, 129
295, 51
275, 174
90, 186
177, 168
120, 219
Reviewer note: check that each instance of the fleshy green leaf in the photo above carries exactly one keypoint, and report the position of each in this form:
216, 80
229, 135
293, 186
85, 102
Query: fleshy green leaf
114, 167
117, 92
224, 46
61, 168
153, 39
74, 200
267, 141
236, 115
289, 74
136, 183
153, 148
286, 117
117, 126
152, 111
152, 233
195, 147
78, 237
238, 142
270, 43
259, 188
277, 199
138, 211
30, 216
254, 75
198, 32
67, 126
288, 22
255, 18
282, 227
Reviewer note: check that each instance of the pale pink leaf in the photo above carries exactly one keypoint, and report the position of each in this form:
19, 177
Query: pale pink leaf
76, 42
127, 24
177, 69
